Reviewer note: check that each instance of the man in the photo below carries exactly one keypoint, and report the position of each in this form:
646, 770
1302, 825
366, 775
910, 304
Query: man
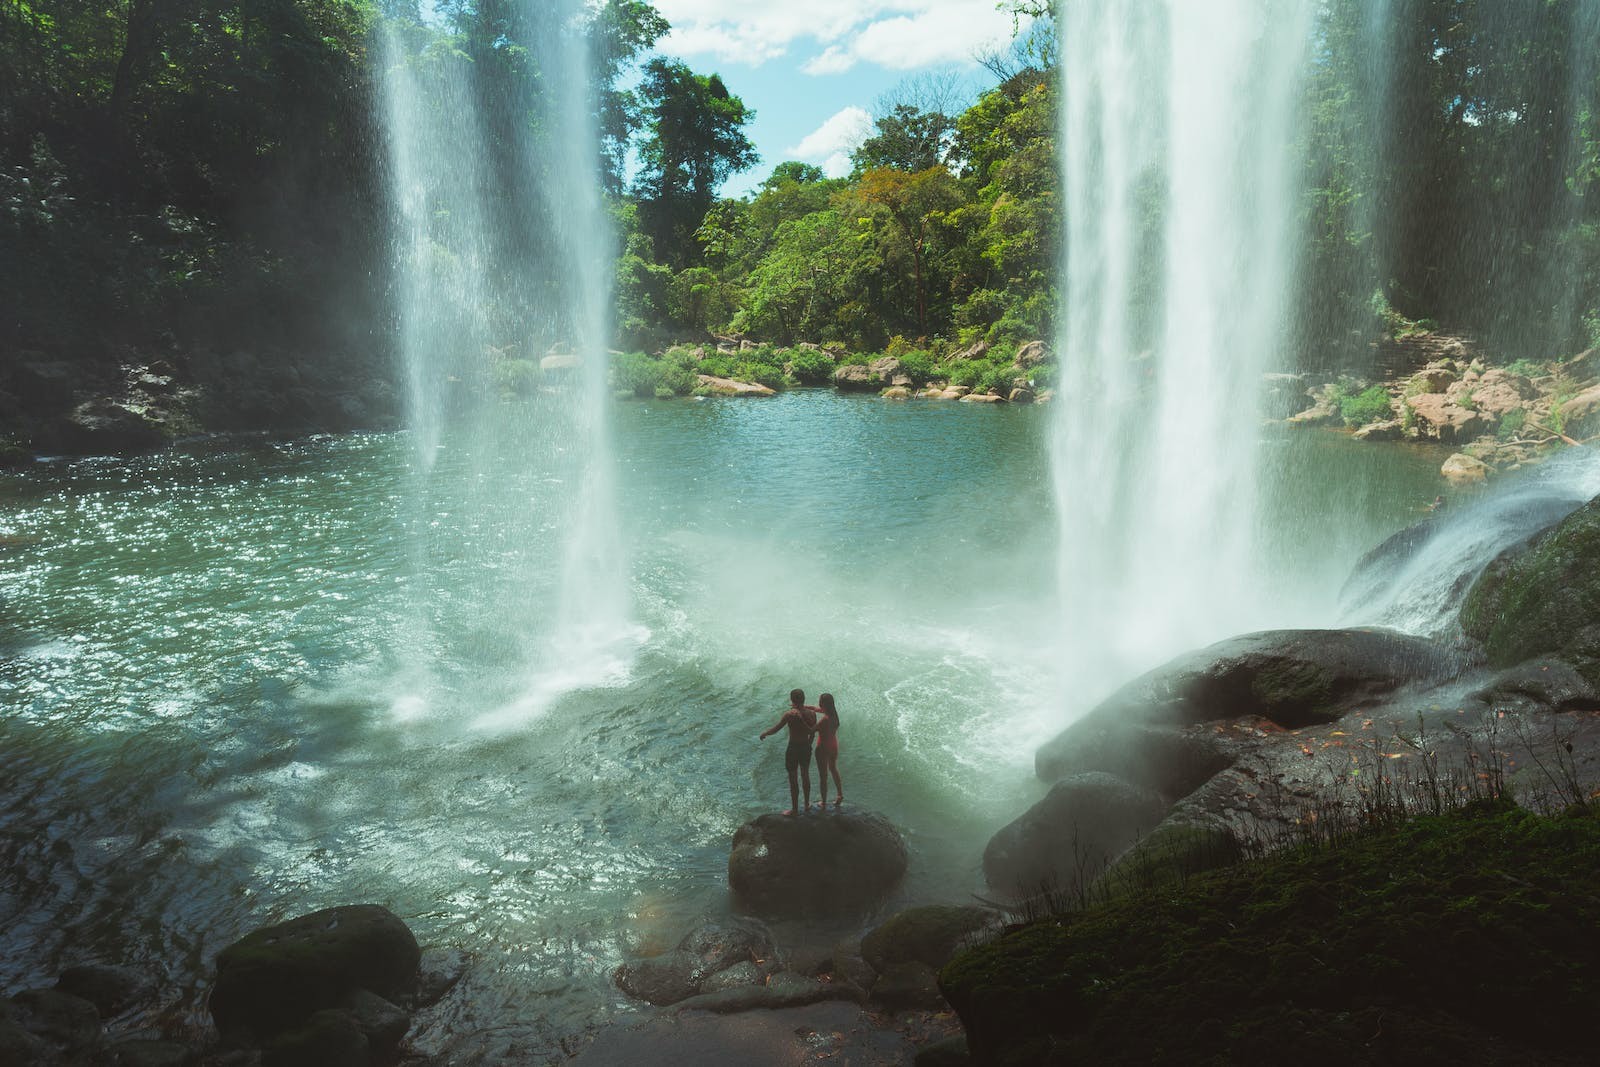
801, 719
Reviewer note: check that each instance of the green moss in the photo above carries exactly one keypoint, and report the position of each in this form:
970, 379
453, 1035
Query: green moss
1478, 923
1545, 599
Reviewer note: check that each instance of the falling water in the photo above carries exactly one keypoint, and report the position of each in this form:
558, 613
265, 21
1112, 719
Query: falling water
501, 253
1179, 205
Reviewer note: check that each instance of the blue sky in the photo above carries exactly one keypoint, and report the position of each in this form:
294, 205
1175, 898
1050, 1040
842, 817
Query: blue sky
814, 69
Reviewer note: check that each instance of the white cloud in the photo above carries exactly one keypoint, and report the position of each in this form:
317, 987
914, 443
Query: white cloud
833, 141
897, 34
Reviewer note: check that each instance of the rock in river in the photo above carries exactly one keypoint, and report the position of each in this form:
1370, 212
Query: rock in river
841, 863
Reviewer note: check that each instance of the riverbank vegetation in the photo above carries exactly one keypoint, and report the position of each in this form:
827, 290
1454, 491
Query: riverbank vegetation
1455, 936
201, 189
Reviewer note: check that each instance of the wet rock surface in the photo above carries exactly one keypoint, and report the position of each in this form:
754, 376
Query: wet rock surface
836, 864
1072, 835
715, 956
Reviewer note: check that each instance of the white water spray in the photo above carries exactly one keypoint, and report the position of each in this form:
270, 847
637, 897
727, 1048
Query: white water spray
502, 255
1179, 187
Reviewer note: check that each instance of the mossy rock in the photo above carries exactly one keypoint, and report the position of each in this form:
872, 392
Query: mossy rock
1477, 924
931, 934
1176, 851
275, 978
1543, 598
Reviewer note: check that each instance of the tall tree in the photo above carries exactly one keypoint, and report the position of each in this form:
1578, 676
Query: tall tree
696, 141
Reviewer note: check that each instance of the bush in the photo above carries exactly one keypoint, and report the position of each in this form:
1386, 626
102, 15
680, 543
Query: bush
1369, 405
997, 379
761, 373
967, 373
1511, 424
517, 377
918, 366
640, 375
810, 367
1527, 368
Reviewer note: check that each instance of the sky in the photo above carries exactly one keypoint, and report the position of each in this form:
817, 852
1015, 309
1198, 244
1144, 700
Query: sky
813, 70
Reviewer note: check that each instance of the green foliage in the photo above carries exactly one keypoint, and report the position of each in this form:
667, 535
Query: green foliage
810, 366
998, 378
642, 376
1527, 368
1370, 948
1511, 424
516, 377
1369, 405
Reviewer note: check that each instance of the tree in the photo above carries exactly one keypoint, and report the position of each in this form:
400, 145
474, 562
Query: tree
622, 30
914, 203
908, 139
696, 142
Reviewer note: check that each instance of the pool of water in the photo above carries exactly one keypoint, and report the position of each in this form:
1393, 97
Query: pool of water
243, 681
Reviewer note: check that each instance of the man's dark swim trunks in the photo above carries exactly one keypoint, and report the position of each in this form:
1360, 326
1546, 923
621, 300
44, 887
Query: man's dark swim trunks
797, 755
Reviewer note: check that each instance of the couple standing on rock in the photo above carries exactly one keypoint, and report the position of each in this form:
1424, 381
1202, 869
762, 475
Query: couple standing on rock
804, 723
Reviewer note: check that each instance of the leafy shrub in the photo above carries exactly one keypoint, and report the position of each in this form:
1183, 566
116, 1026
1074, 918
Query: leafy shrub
761, 373
918, 366
637, 373
517, 377
810, 367
718, 366
1369, 405
1044, 376
997, 379
1527, 368
967, 373
1511, 424
664, 393
898, 346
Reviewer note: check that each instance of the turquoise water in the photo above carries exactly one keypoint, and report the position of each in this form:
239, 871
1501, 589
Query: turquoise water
243, 681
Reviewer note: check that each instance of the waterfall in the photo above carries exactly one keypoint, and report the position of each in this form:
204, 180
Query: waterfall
1177, 133
502, 255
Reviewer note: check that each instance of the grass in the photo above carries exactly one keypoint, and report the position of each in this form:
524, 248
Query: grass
1414, 914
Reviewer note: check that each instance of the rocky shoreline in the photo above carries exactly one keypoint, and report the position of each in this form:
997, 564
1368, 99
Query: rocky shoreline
1496, 418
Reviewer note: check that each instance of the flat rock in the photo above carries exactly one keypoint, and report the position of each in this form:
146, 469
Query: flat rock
729, 387
709, 949
837, 864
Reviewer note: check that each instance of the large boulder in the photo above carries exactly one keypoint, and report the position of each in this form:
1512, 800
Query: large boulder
1543, 598
1499, 391
1031, 354
1291, 678
931, 934
111, 989
1462, 469
706, 954
886, 369
1282, 395
1067, 839
729, 387
47, 1026
838, 864
276, 978
856, 377
1439, 417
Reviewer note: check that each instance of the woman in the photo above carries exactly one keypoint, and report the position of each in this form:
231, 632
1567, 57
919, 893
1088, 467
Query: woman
828, 749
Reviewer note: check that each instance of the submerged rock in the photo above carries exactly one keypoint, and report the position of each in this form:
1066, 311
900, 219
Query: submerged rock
276, 978
1067, 839
837, 864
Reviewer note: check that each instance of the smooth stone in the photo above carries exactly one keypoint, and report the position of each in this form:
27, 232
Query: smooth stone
931, 934
837, 864
1069, 837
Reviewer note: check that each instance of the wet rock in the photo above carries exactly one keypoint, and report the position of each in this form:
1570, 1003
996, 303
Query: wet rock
1020, 395
836, 864
1582, 368
278, 976
329, 1038
105, 426
908, 986
1324, 409
1291, 678
849, 965
66, 1026
982, 398
1067, 839
951, 1052
383, 1023
897, 392
1543, 598
148, 1052
437, 973
740, 974
1543, 684
709, 949
729, 387
1499, 392
955, 392
783, 990
886, 368
975, 351
111, 989
931, 934
1462, 469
